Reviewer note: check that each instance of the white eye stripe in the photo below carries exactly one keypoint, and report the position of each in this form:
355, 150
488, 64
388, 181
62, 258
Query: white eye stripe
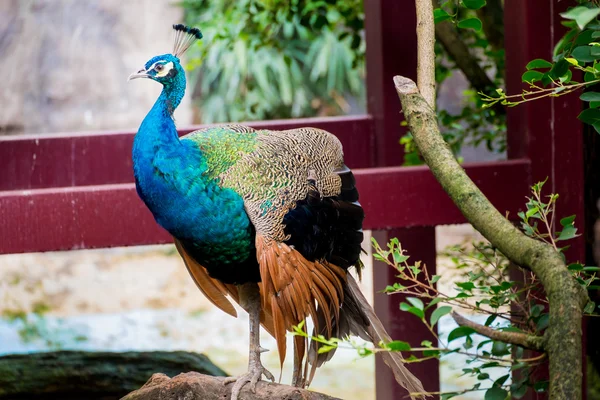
166, 68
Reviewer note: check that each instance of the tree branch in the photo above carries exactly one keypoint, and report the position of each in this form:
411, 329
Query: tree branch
426, 51
195, 386
566, 297
448, 36
531, 342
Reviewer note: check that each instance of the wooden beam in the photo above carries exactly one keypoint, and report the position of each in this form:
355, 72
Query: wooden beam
63, 160
112, 215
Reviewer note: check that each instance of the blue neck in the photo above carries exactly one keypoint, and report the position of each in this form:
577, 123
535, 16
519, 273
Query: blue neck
171, 180
158, 128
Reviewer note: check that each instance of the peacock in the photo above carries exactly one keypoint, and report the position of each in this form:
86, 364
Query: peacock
268, 219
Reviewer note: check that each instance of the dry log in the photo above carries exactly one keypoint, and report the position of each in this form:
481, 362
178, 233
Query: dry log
195, 386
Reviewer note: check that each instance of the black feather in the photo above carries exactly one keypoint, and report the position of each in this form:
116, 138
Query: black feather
328, 228
191, 31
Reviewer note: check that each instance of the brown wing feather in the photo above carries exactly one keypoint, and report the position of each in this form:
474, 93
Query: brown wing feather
292, 288
216, 292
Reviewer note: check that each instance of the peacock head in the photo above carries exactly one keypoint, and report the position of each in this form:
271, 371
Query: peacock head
166, 69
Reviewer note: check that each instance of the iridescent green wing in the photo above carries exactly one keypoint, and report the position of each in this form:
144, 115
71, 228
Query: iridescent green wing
280, 170
223, 146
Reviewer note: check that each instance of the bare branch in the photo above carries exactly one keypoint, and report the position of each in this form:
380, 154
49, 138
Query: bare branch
448, 36
426, 50
520, 339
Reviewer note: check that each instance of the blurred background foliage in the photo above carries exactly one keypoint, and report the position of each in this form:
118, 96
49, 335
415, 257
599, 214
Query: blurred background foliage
277, 58
299, 58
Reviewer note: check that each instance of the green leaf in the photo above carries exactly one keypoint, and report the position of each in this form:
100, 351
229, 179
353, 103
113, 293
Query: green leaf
398, 345
590, 116
466, 285
560, 68
566, 221
581, 15
500, 349
531, 212
532, 76
542, 323
459, 332
575, 267
569, 232
589, 307
439, 313
495, 393
572, 61
470, 23
440, 15
539, 63
435, 278
584, 54
399, 258
416, 302
413, 310
500, 381
448, 396
590, 96
490, 319
325, 348
473, 4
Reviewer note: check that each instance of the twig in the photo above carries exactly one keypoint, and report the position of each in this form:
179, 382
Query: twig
520, 339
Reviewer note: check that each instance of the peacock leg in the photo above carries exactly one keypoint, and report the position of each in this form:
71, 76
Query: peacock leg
250, 301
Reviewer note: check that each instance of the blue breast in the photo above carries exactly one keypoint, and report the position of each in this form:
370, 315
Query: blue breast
171, 181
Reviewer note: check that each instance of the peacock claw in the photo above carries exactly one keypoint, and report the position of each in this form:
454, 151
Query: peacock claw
252, 376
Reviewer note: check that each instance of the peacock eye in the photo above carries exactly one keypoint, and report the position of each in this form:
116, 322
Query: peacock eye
158, 67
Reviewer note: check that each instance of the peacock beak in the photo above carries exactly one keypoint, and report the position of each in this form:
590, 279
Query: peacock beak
140, 74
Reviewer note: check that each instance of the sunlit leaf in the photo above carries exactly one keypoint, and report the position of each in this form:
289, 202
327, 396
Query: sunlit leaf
398, 345
581, 15
438, 313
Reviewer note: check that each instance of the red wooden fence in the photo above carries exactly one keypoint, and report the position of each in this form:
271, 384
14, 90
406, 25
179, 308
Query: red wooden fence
75, 191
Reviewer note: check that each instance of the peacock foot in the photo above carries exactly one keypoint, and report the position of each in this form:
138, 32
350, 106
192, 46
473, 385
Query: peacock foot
255, 372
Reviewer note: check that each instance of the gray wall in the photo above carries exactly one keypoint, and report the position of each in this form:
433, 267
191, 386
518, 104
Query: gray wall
65, 63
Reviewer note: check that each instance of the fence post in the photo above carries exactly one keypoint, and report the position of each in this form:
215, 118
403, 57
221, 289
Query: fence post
419, 243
